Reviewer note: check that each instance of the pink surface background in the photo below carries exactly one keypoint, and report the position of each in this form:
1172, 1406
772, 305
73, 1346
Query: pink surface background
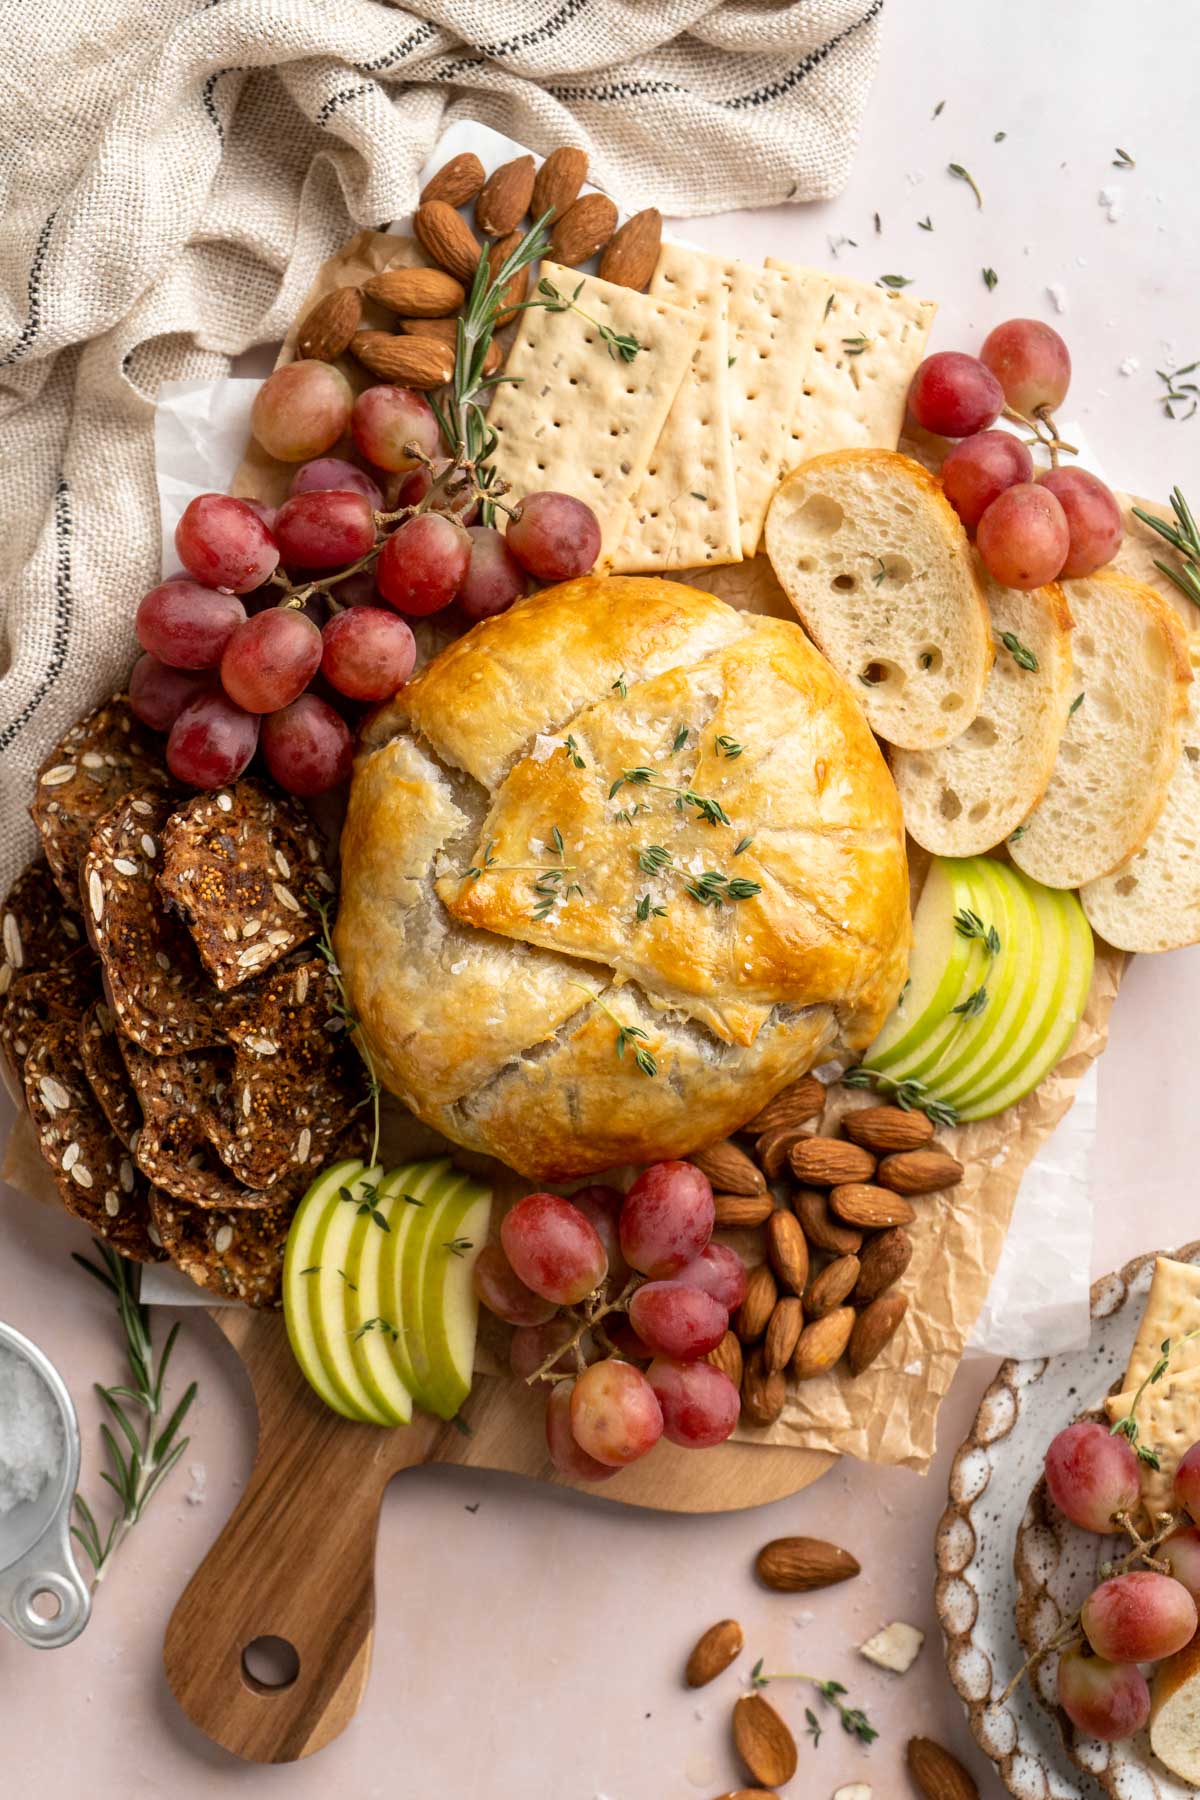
534, 1646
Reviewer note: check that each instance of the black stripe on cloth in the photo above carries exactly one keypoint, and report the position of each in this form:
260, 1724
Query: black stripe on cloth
33, 323
421, 36
63, 612
335, 101
548, 29
206, 100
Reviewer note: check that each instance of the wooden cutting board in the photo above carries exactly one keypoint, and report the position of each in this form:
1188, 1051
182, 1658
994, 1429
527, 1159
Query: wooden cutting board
297, 1558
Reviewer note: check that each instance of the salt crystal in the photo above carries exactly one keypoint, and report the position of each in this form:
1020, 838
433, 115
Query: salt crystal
543, 747
196, 1495
1130, 366
1058, 296
1110, 200
456, 968
31, 1434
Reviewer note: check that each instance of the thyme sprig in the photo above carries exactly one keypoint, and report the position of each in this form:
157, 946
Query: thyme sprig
973, 1005
961, 174
343, 1011
626, 1034
1021, 654
1183, 537
968, 924
622, 346
709, 809
712, 887
551, 883
854, 1719
1127, 1427
140, 1464
1179, 393
909, 1096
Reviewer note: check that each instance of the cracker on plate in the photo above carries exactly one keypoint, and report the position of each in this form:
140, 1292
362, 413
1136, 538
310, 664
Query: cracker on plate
100, 759
104, 1066
36, 930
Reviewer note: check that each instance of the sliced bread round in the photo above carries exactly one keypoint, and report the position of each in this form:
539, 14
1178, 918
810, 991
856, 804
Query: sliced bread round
1152, 902
965, 797
1121, 742
875, 561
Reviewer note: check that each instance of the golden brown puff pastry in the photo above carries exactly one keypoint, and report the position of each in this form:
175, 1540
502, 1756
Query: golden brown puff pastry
620, 818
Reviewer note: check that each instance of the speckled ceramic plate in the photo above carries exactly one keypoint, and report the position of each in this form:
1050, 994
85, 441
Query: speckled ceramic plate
996, 1505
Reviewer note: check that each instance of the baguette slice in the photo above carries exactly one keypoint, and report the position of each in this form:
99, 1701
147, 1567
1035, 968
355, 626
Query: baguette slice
1121, 744
873, 558
966, 797
1175, 1712
1152, 902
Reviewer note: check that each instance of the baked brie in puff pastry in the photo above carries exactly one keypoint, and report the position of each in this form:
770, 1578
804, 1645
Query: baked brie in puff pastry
618, 865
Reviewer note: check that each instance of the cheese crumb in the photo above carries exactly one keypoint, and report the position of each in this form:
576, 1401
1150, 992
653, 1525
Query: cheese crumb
858, 1790
896, 1647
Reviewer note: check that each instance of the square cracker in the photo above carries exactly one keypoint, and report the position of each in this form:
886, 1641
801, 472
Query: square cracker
685, 513
1172, 1309
580, 420
852, 395
1168, 1417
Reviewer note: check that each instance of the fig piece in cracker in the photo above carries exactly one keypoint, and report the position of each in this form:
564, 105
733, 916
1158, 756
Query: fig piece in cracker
36, 930
160, 995
95, 1176
102, 758
104, 1066
33, 1000
238, 866
171, 1147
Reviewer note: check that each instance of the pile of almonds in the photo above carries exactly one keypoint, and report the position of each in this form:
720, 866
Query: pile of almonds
419, 351
826, 1289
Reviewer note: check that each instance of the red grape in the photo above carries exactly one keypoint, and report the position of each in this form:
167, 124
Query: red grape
1092, 1475
335, 472
566, 1455
1093, 519
554, 536
1139, 1617
385, 419
979, 469
602, 1207
721, 1272
553, 1248
301, 410
1102, 1699
615, 1416
262, 511
677, 1321
211, 741
368, 653
422, 565
955, 395
307, 746
270, 659
1181, 1553
457, 498
1023, 537
224, 544
503, 1293
699, 1403
1031, 363
623, 1338
494, 577
325, 530
667, 1218
158, 694
186, 625
358, 589
1187, 1483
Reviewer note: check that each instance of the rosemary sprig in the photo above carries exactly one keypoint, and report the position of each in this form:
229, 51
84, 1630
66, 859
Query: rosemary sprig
1021, 654
854, 1719
909, 1096
1128, 1426
1184, 537
622, 346
968, 924
712, 810
1123, 160
626, 1034
961, 174
343, 1011
138, 1467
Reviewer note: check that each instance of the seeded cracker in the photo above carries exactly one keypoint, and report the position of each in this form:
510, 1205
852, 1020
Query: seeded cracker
44, 995
36, 930
107, 1075
94, 1174
171, 1147
160, 995
238, 866
98, 761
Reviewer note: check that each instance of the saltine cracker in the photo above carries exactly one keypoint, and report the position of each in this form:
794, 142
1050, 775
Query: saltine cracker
1168, 1418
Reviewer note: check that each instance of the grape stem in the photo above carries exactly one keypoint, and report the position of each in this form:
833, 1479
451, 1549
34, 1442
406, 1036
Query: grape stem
594, 1309
1045, 432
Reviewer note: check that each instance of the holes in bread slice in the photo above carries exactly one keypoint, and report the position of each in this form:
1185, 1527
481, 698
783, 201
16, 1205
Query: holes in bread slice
950, 806
820, 516
951, 702
1125, 885
980, 734
881, 673
844, 583
929, 660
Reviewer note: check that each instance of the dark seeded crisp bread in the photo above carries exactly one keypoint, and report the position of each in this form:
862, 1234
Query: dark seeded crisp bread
40, 997
95, 1177
36, 930
107, 1075
160, 995
238, 866
99, 760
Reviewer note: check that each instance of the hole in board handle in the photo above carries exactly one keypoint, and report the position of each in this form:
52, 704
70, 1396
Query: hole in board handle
46, 1604
269, 1665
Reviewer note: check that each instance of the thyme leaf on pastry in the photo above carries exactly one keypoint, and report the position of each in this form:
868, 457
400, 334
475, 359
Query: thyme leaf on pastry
572, 749
709, 809
714, 889
652, 858
620, 686
626, 1034
743, 844
680, 739
727, 746
647, 910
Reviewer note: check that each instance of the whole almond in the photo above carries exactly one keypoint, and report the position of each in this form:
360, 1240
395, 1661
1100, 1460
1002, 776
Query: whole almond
795, 1104
787, 1250
417, 293
763, 1393
883, 1262
455, 182
796, 1565
754, 1314
557, 183
821, 1344
827, 1162
822, 1230
939, 1775
413, 362
763, 1741
733, 1210
773, 1149
729, 1169
874, 1208
505, 196
875, 1327
445, 331
631, 256
518, 286
884, 1128
329, 327
919, 1171
447, 240
783, 1330
728, 1358
714, 1652
828, 1289
583, 229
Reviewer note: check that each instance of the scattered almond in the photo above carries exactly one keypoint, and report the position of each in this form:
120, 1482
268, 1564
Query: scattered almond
754, 1314
763, 1741
413, 362
504, 198
822, 1230
455, 182
796, 1565
714, 1652
631, 257
795, 1104
874, 1208
516, 289
919, 1171
773, 1148
827, 1162
728, 1358
763, 1394
331, 324
939, 1775
729, 1169
417, 293
583, 229
787, 1250
874, 1328
783, 1331
884, 1128
828, 1289
447, 240
557, 183
884, 1261
445, 331
733, 1210
822, 1343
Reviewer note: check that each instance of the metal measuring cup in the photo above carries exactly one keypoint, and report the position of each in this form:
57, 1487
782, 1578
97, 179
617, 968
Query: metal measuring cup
36, 1559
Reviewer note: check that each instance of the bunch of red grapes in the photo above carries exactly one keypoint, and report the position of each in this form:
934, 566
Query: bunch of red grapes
1137, 1617
319, 590
1028, 532
636, 1373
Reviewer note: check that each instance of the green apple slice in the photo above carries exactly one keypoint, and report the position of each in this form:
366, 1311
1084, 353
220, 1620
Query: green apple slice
313, 1306
367, 1320
1007, 979
426, 1245
450, 1316
944, 969
413, 1190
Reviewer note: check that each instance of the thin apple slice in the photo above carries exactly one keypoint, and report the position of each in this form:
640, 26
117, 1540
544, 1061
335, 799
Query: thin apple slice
450, 1318
937, 966
927, 1042
413, 1189
1006, 979
312, 1294
368, 1323
425, 1250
